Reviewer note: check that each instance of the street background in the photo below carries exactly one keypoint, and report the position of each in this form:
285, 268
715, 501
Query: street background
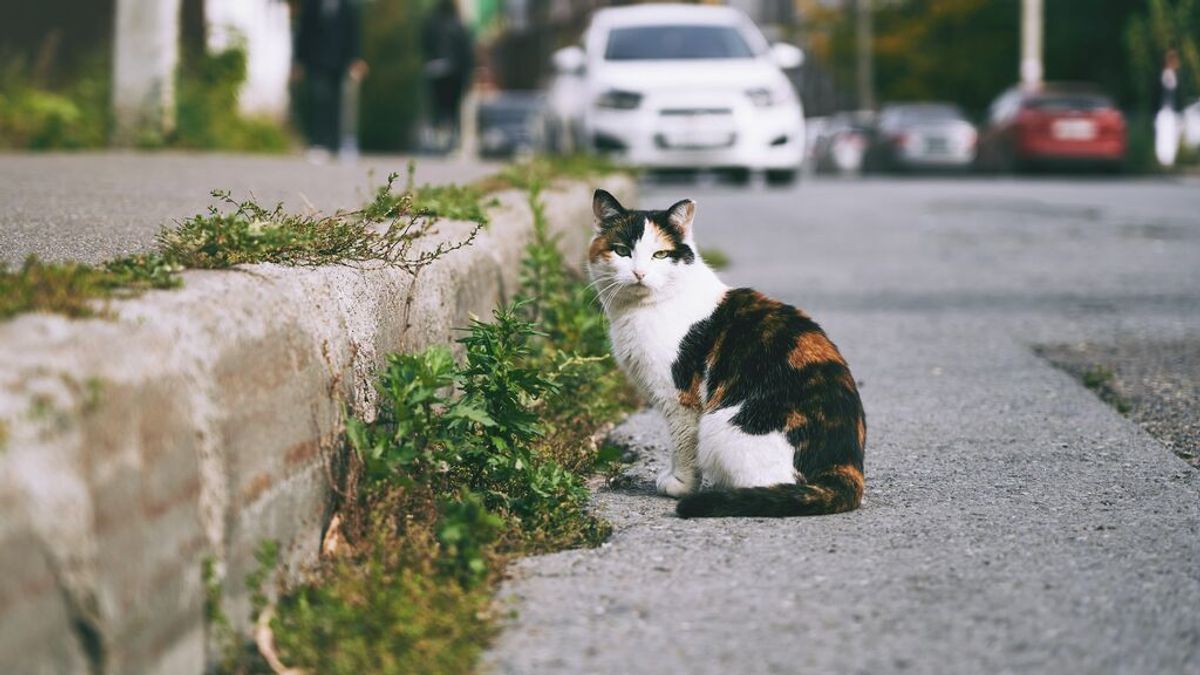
1026, 331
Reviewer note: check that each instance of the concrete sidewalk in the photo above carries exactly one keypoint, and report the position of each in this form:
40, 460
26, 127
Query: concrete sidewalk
95, 206
1013, 522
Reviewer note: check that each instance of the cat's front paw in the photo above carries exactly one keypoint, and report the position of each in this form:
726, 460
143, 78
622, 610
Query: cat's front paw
671, 485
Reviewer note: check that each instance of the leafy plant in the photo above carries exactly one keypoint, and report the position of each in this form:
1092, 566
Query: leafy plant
386, 231
452, 201
463, 466
419, 424
36, 117
466, 529
206, 109
74, 288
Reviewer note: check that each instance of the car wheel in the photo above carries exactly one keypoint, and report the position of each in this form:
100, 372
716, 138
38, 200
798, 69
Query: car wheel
737, 176
781, 177
1006, 160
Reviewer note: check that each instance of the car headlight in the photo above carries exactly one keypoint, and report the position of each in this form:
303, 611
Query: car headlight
764, 97
618, 99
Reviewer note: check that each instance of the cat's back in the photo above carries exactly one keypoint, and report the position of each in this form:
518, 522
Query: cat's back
753, 346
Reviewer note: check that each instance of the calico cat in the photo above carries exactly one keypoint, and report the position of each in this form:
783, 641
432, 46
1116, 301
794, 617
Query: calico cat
758, 400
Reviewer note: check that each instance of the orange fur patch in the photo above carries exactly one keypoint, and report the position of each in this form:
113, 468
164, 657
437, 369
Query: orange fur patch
690, 397
851, 475
714, 401
711, 358
598, 248
812, 348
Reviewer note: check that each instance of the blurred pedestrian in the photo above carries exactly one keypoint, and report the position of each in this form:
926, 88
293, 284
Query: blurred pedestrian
329, 57
1166, 122
449, 62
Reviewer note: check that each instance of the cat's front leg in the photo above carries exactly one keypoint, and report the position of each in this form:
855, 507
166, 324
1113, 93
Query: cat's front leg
683, 476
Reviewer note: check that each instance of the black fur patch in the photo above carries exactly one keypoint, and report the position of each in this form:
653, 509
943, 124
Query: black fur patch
777, 363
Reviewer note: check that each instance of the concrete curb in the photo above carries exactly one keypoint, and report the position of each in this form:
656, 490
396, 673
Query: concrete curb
198, 423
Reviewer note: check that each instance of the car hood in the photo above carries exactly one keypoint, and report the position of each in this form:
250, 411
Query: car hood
659, 76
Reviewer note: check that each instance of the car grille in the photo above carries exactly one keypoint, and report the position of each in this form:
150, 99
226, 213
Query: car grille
687, 112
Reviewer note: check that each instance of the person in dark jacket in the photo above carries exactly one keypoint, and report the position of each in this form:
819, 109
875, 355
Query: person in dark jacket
449, 62
328, 49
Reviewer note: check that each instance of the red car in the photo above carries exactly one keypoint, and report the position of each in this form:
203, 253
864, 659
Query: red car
1055, 124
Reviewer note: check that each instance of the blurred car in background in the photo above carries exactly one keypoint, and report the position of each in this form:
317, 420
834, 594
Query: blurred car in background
511, 123
1055, 124
683, 86
839, 142
927, 136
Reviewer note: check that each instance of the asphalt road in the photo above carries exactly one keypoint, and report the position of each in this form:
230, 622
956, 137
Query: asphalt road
1013, 523
96, 206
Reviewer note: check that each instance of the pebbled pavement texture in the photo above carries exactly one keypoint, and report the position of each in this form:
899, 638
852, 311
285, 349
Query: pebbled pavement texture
1156, 383
1014, 523
96, 206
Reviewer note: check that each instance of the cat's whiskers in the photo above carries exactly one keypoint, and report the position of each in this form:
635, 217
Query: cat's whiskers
600, 280
615, 288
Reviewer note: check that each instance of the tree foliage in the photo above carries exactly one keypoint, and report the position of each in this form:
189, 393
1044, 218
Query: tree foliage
1164, 24
968, 51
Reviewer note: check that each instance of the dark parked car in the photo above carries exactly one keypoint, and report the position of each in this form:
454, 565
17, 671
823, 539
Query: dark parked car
1055, 124
921, 136
512, 123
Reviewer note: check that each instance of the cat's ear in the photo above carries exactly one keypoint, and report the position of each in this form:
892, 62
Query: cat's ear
680, 215
605, 206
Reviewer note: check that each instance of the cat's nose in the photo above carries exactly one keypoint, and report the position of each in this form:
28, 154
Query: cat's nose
640, 274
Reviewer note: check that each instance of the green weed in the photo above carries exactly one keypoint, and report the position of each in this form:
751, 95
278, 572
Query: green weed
73, 288
465, 465
386, 232
36, 117
1102, 381
1097, 377
451, 201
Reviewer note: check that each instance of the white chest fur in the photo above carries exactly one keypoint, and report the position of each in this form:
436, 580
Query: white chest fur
646, 336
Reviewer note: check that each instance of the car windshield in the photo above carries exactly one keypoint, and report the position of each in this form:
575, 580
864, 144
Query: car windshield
928, 113
658, 43
1069, 102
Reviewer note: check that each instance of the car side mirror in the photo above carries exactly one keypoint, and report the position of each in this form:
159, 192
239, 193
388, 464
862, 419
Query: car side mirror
569, 61
787, 56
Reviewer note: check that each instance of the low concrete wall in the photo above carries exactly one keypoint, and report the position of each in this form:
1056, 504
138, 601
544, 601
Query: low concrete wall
198, 423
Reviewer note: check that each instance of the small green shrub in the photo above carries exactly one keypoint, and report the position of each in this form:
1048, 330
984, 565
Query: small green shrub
75, 289
451, 201
386, 231
206, 109
36, 118
466, 530
466, 464
393, 604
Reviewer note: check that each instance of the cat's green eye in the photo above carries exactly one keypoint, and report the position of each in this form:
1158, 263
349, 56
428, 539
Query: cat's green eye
661, 254
620, 250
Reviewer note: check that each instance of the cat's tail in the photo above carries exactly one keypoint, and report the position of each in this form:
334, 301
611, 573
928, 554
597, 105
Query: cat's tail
834, 490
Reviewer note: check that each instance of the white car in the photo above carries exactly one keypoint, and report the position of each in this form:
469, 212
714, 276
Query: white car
682, 86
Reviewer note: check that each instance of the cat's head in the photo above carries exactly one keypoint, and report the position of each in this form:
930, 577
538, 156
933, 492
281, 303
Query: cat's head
640, 253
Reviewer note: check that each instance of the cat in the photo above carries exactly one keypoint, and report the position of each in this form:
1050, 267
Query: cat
759, 402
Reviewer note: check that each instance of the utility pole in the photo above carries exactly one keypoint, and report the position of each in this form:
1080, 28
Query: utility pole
865, 34
145, 52
1031, 43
